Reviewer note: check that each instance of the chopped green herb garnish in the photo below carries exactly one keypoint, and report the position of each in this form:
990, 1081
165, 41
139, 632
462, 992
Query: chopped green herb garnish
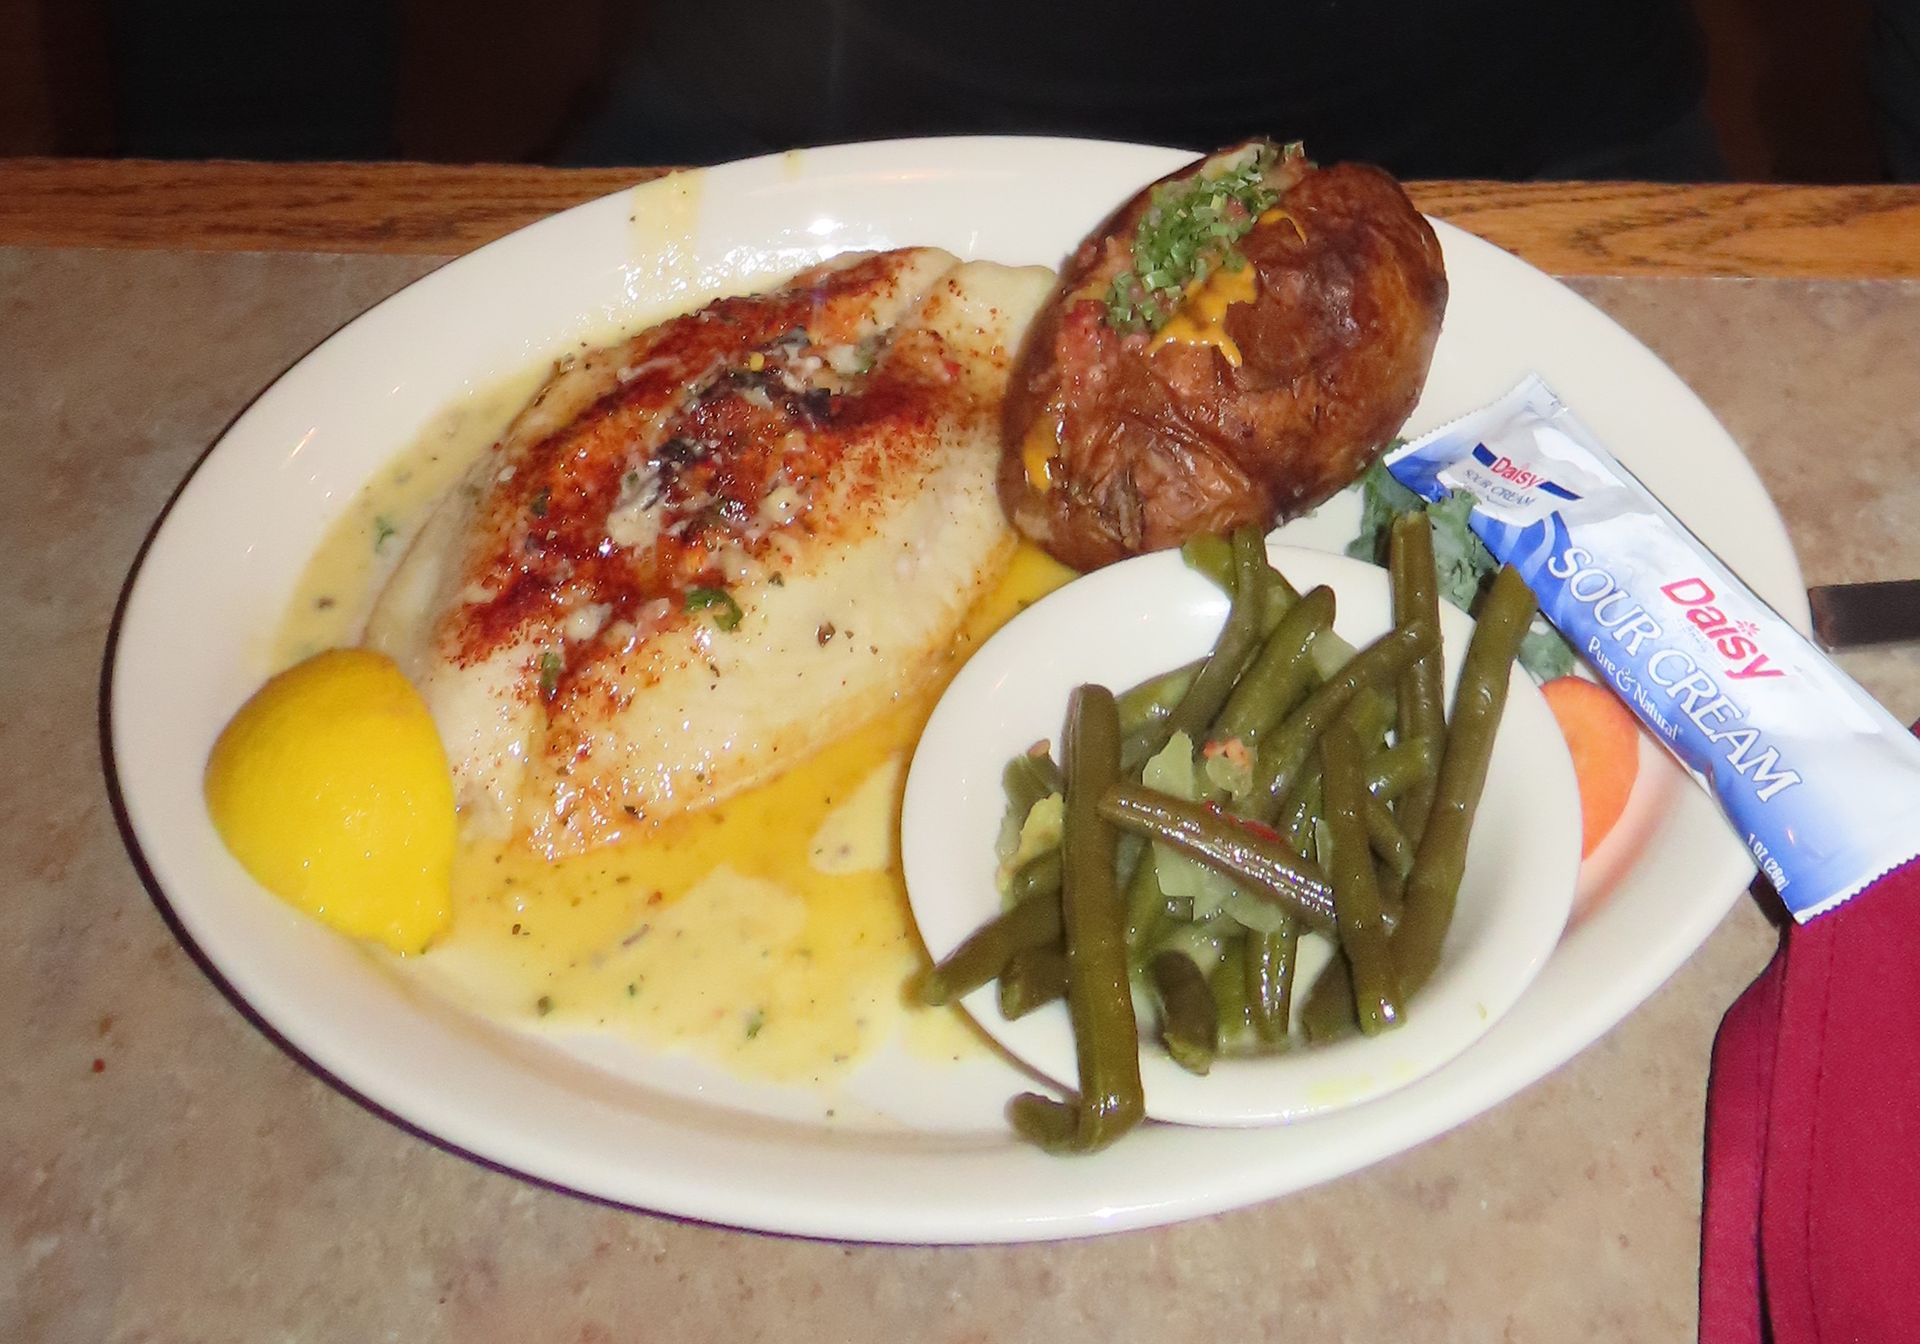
716, 602
383, 531
1189, 229
1464, 565
550, 669
755, 1021
540, 502
543, 1005
1544, 652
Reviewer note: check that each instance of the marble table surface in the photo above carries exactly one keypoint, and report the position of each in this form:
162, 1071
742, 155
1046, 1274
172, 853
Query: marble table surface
168, 1173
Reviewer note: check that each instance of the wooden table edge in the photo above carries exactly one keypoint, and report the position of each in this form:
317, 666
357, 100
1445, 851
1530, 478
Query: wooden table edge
1569, 228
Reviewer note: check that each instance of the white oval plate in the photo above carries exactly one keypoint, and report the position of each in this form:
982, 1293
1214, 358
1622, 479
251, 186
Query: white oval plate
926, 1157
1124, 624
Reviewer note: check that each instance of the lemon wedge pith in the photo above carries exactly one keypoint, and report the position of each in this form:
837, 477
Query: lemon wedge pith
331, 788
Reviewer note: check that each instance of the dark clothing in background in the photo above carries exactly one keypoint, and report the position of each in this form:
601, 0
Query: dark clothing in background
1894, 67
287, 79
1429, 88
1482, 88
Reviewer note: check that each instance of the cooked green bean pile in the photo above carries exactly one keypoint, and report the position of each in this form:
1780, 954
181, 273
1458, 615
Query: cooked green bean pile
1286, 785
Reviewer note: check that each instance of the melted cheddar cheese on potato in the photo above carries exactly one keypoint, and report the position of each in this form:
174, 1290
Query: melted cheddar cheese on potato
701, 553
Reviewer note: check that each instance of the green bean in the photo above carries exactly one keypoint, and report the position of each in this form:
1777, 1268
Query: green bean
1154, 699
1286, 749
1270, 960
1147, 907
1038, 878
1141, 744
1212, 556
986, 950
1371, 715
1189, 1027
1422, 711
1032, 978
1099, 998
1053, 1125
1328, 1013
1228, 982
1329, 654
1277, 598
1299, 810
1279, 675
1393, 893
1363, 939
1238, 640
1028, 778
1319, 841
1385, 836
1392, 771
1441, 857
1264, 866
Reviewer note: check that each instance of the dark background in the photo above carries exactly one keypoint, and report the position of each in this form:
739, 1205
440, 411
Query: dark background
1789, 88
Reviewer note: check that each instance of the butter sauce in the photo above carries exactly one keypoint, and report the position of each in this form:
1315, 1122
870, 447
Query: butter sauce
365, 543
769, 933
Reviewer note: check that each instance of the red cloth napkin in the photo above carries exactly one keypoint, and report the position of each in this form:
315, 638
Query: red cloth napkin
1811, 1232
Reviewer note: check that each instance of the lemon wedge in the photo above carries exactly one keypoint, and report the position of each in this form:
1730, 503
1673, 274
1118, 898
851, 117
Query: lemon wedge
332, 789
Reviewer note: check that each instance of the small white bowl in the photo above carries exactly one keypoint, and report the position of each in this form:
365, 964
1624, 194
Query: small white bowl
1121, 625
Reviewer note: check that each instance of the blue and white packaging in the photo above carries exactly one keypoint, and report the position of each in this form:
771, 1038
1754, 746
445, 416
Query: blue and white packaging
1817, 778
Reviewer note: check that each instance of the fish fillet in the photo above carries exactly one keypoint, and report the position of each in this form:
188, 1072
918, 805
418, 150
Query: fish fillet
701, 553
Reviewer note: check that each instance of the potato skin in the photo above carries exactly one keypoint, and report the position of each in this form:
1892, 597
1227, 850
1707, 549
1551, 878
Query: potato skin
1157, 445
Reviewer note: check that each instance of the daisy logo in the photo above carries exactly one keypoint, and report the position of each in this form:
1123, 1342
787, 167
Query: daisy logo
1734, 640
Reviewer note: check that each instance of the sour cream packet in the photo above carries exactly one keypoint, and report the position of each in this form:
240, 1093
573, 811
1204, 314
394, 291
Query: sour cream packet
1821, 783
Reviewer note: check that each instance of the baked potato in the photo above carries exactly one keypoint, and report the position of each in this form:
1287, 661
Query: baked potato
1233, 345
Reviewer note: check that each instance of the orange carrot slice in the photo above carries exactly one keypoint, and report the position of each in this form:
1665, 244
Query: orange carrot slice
1604, 738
